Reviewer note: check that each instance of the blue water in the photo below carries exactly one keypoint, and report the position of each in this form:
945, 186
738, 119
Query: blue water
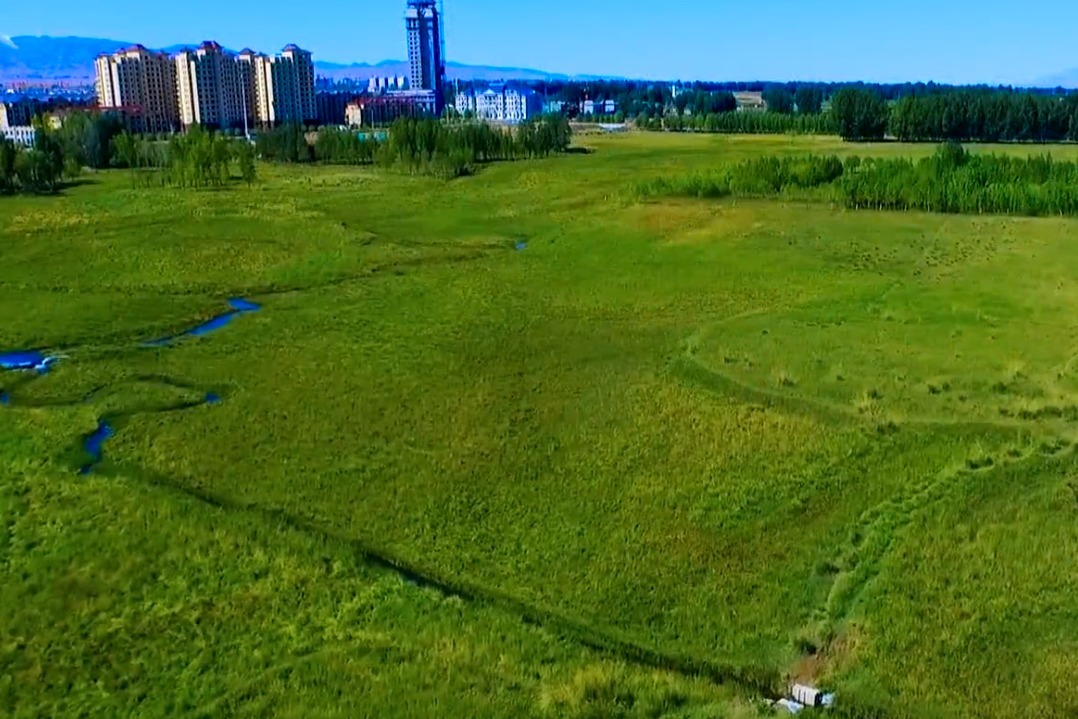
94, 443
239, 306
242, 305
23, 359
521, 246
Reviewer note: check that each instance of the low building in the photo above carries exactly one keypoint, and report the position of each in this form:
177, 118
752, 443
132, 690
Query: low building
384, 109
501, 103
19, 134
464, 102
750, 101
18, 113
598, 107
383, 85
331, 106
522, 103
353, 114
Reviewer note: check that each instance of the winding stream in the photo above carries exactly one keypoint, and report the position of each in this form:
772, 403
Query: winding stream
40, 361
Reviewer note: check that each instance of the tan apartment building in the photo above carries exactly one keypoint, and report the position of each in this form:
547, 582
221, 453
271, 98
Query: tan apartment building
210, 88
207, 86
283, 87
140, 84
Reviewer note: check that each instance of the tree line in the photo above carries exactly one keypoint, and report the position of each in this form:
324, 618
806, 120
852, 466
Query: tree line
421, 145
950, 181
960, 116
198, 159
911, 112
39, 168
634, 95
753, 123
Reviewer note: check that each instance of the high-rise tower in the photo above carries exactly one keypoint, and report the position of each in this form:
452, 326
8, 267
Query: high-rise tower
426, 48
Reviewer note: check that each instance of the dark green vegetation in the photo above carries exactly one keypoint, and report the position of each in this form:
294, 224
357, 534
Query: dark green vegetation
957, 115
744, 123
196, 159
859, 112
36, 169
422, 146
986, 117
951, 181
754, 439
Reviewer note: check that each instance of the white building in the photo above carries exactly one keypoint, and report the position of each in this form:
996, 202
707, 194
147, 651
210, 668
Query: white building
599, 107
282, 86
19, 134
140, 84
465, 103
501, 103
210, 88
382, 85
17, 113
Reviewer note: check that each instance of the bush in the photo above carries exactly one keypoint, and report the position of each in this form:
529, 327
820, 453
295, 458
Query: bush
950, 181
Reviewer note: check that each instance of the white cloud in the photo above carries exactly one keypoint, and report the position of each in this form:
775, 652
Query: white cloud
6, 40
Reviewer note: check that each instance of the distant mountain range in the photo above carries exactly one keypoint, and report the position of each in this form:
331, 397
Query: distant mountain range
71, 59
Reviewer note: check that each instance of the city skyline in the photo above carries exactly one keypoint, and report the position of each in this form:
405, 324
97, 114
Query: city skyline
960, 41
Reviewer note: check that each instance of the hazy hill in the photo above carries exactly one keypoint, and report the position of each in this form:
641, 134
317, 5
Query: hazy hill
1067, 79
27, 57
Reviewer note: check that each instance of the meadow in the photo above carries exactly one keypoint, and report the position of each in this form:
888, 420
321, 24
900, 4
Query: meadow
526, 444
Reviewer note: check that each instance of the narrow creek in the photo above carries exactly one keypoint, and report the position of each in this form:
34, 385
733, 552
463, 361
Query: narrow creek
32, 363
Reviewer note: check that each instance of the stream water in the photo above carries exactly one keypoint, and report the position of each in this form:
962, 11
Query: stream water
93, 443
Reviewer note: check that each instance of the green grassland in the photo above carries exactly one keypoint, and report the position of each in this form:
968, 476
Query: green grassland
669, 456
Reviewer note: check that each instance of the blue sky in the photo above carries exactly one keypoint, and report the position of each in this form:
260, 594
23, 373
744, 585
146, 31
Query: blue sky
944, 40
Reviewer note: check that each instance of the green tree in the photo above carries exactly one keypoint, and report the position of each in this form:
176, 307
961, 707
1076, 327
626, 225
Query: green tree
809, 99
8, 154
779, 100
860, 114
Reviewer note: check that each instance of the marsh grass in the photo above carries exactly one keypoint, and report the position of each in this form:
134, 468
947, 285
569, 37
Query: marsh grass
594, 429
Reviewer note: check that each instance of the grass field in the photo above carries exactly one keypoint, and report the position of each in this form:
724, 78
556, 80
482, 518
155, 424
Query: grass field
666, 443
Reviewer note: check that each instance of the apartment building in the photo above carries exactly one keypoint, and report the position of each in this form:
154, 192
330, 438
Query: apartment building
283, 87
209, 88
206, 86
141, 85
426, 48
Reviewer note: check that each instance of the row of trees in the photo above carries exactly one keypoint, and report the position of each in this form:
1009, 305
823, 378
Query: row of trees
960, 116
950, 181
757, 123
986, 117
198, 159
422, 145
654, 98
89, 139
